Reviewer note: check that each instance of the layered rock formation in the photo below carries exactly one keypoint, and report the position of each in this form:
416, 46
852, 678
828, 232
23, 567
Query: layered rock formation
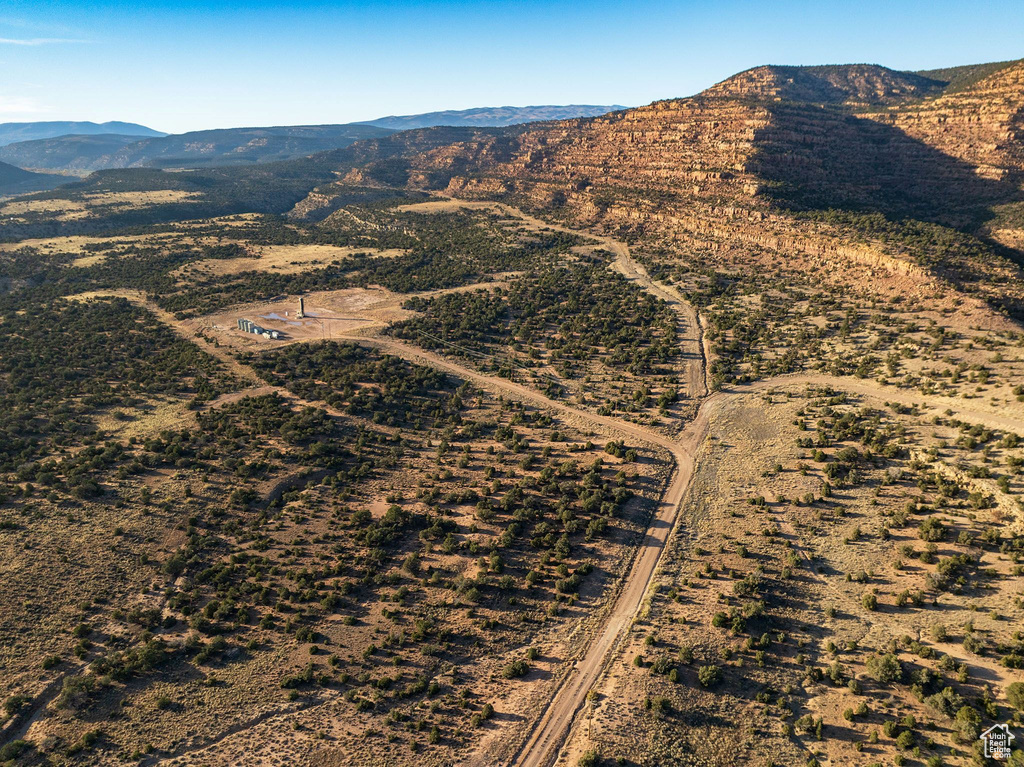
982, 125
756, 162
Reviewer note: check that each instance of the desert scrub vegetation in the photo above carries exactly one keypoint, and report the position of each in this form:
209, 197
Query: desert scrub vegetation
381, 388
437, 251
760, 604
803, 330
565, 327
778, 318
565, 314
376, 548
440, 251
62, 364
382, 538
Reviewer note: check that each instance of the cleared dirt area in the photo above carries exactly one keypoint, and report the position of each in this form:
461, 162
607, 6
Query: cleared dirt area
69, 244
71, 210
182, 233
61, 209
285, 259
140, 199
327, 315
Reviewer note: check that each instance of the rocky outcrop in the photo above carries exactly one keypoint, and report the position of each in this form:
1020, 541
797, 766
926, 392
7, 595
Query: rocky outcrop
315, 206
853, 84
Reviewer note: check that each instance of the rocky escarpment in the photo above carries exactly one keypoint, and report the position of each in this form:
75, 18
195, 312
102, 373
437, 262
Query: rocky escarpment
982, 125
814, 158
751, 163
671, 153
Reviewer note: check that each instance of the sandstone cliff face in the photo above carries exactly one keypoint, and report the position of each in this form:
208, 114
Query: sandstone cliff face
670, 151
727, 168
920, 160
982, 125
816, 158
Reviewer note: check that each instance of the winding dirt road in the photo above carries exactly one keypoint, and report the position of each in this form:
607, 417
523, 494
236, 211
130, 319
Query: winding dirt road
554, 724
690, 335
553, 727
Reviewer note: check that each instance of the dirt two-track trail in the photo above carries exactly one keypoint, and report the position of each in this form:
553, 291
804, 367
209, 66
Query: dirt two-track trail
690, 336
550, 731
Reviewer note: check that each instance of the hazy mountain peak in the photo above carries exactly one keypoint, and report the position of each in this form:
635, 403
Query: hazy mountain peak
30, 131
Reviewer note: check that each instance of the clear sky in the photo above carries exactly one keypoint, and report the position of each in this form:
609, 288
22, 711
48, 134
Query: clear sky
177, 65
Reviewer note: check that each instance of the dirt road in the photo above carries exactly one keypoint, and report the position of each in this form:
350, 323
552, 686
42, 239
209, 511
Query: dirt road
556, 721
554, 724
690, 335
552, 728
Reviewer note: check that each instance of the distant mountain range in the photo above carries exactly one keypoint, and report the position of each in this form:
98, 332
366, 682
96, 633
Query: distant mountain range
12, 132
813, 140
492, 117
84, 151
76, 154
230, 146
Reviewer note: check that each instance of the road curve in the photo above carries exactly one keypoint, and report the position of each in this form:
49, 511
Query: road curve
624, 263
555, 723
553, 727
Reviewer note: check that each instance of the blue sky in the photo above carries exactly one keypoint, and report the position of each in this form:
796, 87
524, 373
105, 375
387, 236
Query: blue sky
178, 65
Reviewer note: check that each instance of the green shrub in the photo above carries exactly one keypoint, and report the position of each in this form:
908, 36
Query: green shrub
885, 669
708, 676
968, 724
15, 703
1015, 694
515, 669
931, 530
13, 750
